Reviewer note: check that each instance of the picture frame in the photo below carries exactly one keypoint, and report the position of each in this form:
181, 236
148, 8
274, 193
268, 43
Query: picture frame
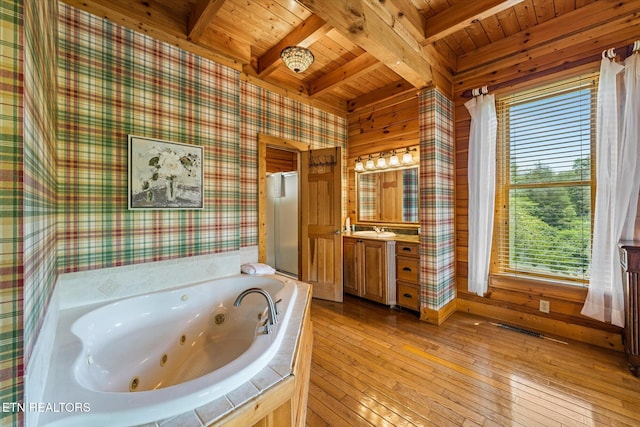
164, 174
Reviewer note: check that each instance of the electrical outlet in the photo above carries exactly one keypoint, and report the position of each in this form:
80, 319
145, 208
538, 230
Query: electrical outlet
544, 306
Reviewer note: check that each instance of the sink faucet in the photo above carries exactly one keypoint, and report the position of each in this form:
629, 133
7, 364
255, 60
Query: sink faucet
378, 229
271, 307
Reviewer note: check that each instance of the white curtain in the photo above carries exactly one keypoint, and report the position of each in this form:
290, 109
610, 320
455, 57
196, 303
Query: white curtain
617, 187
482, 183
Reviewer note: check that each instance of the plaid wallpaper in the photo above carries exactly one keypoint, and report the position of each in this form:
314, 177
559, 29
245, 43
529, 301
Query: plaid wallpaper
39, 196
368, 196
11, 194
409, 188
63, 181
437, 174
115, 82
265, 112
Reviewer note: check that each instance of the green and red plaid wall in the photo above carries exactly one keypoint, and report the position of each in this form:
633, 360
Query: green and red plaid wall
64, 205
64, 201
437, 201
11, 195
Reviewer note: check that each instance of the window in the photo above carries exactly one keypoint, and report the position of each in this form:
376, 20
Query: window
546, 181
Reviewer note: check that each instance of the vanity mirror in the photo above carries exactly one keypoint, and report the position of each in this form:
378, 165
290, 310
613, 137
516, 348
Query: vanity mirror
389, 196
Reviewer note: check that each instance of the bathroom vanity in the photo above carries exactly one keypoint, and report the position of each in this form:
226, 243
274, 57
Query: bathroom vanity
369, 268
382, 269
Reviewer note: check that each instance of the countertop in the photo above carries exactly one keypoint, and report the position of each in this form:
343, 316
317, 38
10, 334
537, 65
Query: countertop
413, 238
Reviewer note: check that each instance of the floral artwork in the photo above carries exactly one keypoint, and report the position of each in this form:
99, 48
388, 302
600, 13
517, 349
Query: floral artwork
164, 175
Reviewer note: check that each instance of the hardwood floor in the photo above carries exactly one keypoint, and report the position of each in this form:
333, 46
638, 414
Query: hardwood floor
375, 366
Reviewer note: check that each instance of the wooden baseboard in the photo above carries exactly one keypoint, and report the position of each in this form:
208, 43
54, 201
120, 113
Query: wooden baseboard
437, 317
556, 328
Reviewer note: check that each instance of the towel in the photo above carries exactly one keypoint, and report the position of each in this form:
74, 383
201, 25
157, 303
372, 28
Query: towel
257, 268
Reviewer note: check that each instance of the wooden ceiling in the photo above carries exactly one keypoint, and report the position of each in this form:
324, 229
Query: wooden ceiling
368, 50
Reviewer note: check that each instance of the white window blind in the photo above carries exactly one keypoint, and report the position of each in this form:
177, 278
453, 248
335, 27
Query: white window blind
545, 181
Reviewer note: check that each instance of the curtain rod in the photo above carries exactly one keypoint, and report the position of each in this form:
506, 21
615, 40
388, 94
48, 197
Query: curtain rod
626, 50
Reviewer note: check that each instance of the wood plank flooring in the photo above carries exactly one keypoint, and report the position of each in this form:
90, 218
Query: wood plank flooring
373, 366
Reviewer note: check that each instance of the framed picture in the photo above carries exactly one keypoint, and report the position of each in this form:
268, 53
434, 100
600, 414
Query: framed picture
164, 174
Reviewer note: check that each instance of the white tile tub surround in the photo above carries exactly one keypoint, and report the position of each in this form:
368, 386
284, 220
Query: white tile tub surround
100, 286
107, 284
279, 368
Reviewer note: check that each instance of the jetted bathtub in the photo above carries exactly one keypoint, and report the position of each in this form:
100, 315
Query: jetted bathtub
152, 356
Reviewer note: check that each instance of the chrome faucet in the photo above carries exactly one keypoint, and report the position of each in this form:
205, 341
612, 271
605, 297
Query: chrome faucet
271, 307
378, 229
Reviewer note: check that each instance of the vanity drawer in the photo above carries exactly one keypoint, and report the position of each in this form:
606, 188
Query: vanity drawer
408, 269
408, 249
409, 296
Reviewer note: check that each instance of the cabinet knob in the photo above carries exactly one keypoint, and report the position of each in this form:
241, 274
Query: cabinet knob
406, 269
406, 249
407, 295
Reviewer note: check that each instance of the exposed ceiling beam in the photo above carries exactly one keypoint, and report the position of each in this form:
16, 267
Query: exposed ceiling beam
379, 95
385, 40
461, 15
200, 16
410, 24
408, 15
305, 34
360, 66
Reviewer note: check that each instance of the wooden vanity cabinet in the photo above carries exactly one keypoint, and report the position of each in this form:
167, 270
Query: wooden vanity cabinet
408, 275
369, 269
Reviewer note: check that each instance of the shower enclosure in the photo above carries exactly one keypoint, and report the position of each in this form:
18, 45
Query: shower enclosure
282, 222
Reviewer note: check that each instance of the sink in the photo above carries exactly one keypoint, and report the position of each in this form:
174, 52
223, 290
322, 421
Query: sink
371, 233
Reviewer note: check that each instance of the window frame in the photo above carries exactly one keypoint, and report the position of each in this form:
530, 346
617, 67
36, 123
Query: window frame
499, 267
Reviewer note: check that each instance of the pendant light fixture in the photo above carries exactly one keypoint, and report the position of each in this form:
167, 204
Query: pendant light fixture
297, 58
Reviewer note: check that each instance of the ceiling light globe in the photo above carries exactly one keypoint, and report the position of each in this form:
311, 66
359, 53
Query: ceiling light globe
297, 58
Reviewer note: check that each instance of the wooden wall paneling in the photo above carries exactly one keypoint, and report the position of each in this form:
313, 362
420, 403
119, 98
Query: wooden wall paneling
565, 59
279, 160
579, 20
383, 118
512, 299
389, 91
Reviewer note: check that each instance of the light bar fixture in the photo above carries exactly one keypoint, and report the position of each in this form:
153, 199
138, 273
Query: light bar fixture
384, 160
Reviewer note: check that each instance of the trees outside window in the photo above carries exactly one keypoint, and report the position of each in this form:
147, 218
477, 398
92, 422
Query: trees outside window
545, 185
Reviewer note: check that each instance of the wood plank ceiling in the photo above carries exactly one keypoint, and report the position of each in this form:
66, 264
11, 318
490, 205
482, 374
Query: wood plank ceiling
368, 50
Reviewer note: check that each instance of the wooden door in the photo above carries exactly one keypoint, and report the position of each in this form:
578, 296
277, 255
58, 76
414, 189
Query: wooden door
321, 221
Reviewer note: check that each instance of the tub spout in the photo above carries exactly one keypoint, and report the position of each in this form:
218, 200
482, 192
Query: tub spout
270, 305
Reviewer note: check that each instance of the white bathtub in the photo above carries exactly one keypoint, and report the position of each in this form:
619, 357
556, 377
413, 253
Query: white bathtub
153, 356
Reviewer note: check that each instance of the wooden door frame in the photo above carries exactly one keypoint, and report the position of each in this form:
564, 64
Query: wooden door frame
265, 141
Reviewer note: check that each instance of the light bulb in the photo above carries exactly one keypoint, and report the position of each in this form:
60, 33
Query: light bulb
359, 166
393, 160
407, 158
370, 164
382, 162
